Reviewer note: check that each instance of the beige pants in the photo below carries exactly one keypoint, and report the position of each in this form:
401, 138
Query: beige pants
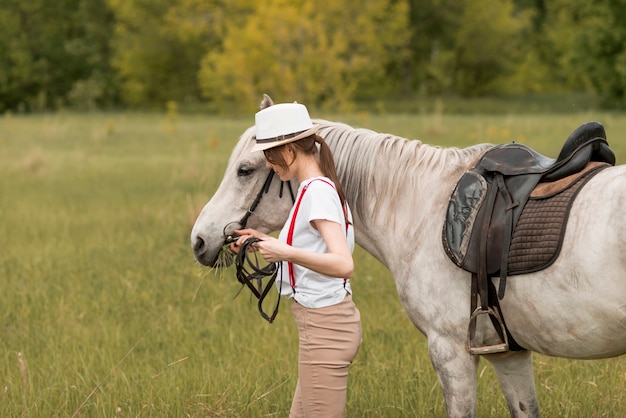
329, 340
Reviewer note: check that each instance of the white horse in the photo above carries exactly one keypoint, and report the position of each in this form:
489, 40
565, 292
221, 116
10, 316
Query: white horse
399, 190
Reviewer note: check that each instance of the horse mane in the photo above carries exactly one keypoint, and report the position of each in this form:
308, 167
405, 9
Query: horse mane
380, 167
387, 166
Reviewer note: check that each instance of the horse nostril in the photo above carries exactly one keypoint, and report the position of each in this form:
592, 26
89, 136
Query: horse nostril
198, 245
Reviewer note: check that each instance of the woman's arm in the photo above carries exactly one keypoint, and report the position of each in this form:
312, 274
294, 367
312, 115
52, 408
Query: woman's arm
337, 262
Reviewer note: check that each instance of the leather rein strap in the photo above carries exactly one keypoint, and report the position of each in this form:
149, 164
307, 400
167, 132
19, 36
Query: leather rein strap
248, 271
247, 268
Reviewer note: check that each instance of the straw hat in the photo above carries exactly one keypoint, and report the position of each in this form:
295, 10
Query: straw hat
282, 123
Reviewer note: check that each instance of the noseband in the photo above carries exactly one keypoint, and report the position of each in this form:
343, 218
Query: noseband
247, 263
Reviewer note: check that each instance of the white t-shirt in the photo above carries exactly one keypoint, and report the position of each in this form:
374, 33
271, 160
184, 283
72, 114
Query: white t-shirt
314, 290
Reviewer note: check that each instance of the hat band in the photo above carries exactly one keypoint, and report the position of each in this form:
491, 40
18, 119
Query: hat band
278, 138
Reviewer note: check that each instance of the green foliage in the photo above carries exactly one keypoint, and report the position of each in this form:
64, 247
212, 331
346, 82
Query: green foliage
487, 45
589, 41
88, 54
305, 51
433, 24
54, 53
151, 64
471, 48
159, 45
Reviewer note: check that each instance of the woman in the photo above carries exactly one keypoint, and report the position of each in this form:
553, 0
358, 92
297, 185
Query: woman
315, 248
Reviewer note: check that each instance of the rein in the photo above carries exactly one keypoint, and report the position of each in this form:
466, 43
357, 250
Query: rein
248, 272
247, 268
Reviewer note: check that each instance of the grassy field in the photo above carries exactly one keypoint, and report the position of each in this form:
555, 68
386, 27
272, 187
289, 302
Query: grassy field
105, 313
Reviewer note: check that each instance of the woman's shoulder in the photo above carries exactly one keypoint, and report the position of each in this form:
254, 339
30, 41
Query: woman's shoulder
320, 183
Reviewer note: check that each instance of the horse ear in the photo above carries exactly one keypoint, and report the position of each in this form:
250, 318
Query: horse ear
266, 102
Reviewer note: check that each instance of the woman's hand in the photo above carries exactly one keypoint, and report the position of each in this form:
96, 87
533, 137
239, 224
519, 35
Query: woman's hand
337, 262
270, 248
244, 235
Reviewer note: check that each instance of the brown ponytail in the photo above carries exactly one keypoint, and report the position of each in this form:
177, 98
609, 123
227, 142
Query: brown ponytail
327, 165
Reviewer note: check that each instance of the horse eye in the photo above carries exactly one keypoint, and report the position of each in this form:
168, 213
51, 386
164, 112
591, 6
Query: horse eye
244, 171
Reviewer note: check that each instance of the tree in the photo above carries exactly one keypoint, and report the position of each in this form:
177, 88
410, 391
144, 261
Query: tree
487, 45
588, 41
52, 54
433, 26
150, 65
305, 51
159, 45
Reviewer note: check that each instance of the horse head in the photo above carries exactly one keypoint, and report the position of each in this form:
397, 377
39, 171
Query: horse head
232, 206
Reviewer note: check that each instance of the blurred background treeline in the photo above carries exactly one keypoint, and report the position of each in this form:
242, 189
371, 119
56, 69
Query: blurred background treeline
221, 55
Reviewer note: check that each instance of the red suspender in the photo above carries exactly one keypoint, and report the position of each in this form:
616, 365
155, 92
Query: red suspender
292, 277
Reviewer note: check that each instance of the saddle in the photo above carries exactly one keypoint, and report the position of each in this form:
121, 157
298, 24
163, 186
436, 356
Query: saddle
488, 201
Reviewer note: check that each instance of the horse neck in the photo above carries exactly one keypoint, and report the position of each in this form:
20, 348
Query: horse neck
396, 187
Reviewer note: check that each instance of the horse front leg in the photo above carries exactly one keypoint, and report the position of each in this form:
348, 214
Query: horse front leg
456, 370
515, 373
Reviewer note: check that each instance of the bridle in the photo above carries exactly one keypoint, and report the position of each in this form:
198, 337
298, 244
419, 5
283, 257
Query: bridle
247, 268
228, 239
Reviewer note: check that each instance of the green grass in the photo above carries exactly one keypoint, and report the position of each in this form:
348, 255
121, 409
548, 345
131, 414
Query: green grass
104, 312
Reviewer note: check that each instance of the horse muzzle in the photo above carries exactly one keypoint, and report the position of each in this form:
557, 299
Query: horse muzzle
212, 255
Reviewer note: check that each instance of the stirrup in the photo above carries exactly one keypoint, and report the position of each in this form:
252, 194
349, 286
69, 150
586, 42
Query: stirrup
487, 349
